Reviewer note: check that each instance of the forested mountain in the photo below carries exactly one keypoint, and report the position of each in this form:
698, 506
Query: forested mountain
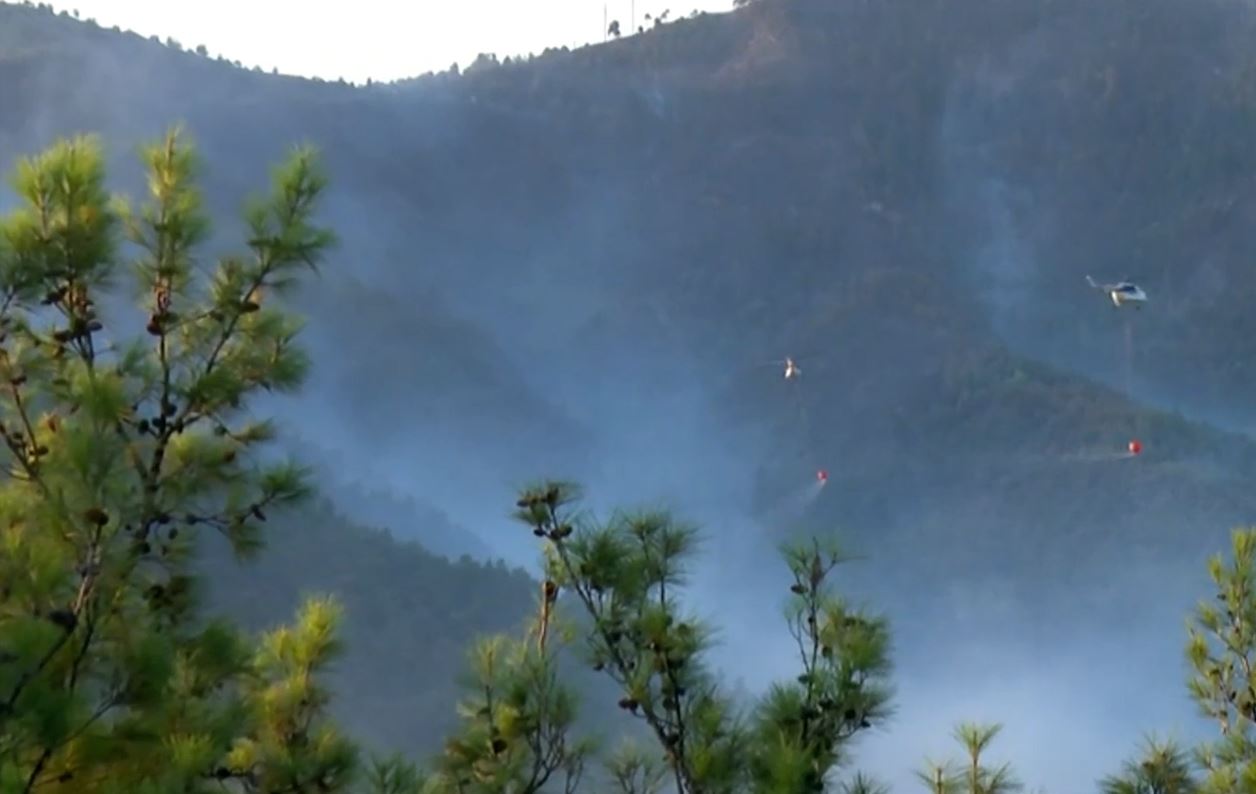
579, 263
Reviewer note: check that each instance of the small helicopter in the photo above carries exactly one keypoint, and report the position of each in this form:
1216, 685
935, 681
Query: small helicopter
792, 370
1121, 293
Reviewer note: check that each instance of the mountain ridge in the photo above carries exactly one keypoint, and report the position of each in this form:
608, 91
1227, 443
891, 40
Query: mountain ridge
613, 241
890, 274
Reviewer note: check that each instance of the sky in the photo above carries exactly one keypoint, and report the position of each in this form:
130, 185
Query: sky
378, 39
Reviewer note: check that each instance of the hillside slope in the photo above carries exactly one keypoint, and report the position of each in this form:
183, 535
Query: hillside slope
659, 213
410, 617
580, 264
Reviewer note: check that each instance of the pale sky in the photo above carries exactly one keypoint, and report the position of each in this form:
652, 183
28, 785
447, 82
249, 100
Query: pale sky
380, 39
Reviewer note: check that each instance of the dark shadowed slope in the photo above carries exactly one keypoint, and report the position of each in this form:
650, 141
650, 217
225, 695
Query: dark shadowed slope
410, 616
380, 322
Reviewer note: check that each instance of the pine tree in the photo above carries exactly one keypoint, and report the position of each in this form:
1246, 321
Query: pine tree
632, 770
290, 744
842, 689
863, 784
516, 735
395, 774
941, 778
972, 776
120, 450
627, 575
1221, 646
979, 778
1163, 767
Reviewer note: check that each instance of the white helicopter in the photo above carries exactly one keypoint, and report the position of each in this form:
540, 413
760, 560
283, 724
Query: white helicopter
1122, 293
792, 370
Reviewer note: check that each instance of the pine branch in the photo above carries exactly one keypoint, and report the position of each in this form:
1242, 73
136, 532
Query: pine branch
105, 457
679, 734
550, 524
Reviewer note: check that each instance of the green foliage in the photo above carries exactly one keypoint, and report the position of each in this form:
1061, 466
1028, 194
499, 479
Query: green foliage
1222, 641
979, 778
118, 451
628, 574
633, 770
843, 685
517, 723
863, 784
394, 775
291, 745
971, 776
1164, 767
941, 778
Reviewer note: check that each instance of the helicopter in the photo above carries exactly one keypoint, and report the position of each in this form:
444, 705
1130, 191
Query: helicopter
1121, 293
792, 370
